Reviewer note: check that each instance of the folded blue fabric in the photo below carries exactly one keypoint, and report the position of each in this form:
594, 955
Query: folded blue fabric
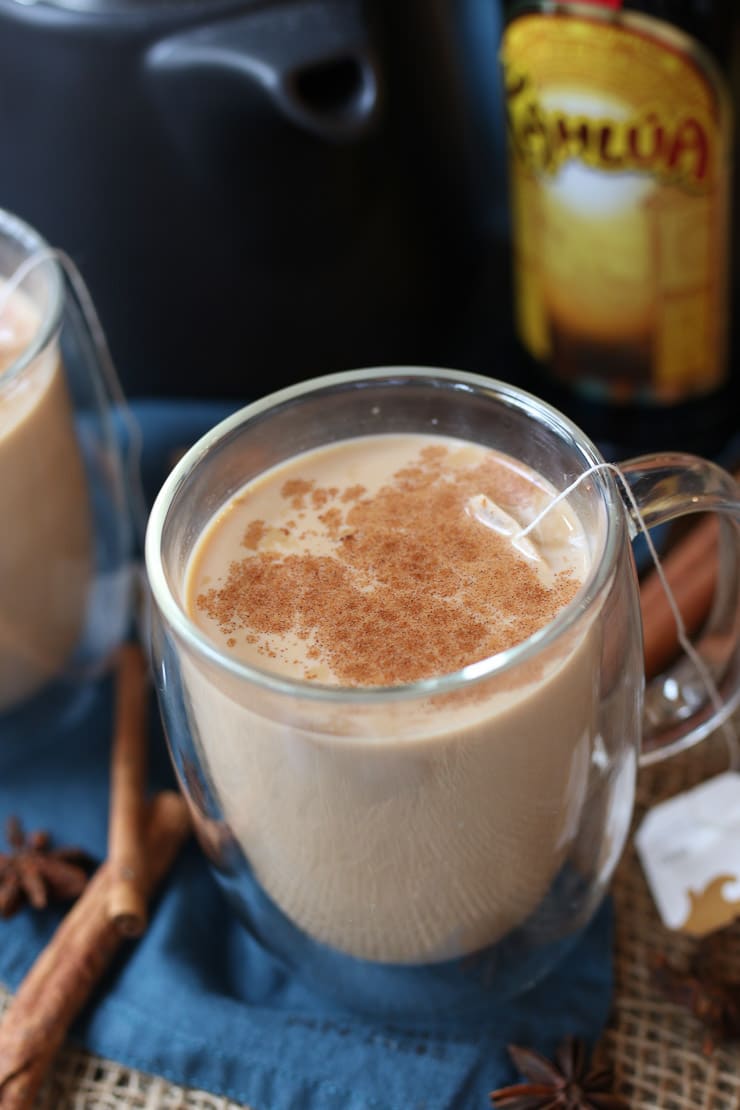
197, 1000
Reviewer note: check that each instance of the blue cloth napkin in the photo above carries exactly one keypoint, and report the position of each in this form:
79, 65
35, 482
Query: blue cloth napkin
197, 1000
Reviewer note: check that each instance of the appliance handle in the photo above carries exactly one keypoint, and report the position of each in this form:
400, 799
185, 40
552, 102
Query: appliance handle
313, 59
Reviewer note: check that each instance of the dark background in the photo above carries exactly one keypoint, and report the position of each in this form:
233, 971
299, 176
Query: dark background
259, 191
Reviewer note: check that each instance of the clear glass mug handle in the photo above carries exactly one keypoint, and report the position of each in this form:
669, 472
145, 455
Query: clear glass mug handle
678, 711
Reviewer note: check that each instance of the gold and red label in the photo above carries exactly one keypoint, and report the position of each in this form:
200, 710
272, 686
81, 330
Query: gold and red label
620, 143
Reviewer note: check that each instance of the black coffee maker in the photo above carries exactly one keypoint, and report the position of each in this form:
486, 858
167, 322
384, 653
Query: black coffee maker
258, 191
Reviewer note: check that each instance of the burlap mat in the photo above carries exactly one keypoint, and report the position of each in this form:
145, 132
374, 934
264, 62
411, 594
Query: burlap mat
654, 1046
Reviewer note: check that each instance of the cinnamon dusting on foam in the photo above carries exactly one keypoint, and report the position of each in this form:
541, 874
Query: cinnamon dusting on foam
387, 587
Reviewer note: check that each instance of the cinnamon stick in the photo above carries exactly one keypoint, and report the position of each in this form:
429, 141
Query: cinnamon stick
126, 855
691, 571
62, 978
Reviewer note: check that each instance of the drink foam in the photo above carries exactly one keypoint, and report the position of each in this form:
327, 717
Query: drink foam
382, 560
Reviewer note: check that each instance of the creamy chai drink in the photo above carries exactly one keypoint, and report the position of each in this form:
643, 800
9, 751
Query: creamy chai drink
413, 835
45, 554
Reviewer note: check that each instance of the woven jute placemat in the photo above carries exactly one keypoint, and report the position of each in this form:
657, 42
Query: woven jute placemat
654, 1046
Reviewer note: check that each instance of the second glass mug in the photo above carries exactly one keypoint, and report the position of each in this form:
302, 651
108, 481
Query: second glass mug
65, 558
444, 842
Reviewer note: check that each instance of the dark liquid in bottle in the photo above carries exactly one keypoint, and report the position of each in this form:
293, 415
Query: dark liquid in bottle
660, 371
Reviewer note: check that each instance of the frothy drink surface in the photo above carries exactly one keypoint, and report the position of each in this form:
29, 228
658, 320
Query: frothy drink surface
46, 553
400, 831
382, 560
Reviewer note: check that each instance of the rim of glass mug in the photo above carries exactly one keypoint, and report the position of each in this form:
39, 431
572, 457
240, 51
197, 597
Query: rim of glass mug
13, 228
574, 611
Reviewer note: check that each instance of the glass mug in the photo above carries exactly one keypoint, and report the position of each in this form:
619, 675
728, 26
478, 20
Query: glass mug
64, 559
417, 847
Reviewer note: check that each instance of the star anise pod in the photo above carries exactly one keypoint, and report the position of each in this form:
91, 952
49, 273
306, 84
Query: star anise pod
34, 872
709, 996
567, 1083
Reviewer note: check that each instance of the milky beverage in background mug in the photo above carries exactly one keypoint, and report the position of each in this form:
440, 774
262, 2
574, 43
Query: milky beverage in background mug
417, 728
45, 554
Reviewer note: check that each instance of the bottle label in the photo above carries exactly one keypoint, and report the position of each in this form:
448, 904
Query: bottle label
620, 142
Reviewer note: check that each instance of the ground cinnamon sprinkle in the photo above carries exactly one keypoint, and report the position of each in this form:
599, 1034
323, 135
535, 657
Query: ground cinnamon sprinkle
296, 489
254, 534
332, 521
351, 493
411, 585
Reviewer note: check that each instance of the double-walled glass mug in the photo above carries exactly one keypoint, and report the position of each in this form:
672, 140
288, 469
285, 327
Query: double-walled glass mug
406, 848
64, 596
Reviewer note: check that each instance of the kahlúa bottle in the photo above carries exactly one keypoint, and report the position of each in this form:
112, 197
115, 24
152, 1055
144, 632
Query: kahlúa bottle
621, 122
